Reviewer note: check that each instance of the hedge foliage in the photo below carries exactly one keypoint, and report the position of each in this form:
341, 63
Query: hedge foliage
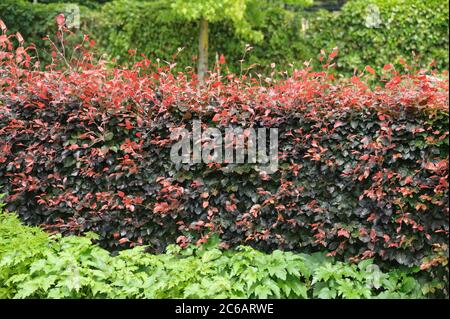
362, 173
86, 3
34, 265
377, 32
35, 21
374, 32
150, 27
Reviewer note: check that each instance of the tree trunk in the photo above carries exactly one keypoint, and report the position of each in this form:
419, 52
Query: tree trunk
203, 50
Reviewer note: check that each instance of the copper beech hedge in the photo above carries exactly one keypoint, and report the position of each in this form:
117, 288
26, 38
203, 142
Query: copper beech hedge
362, 169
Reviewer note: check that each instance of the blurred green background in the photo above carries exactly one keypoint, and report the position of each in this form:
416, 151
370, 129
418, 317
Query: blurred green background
287, 33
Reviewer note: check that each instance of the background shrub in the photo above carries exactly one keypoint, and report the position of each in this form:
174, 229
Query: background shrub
36, 21
150, 27
290, 36
377, 32
86, 3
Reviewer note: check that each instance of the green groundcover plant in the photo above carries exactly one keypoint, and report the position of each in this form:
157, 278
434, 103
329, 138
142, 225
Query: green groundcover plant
36, 265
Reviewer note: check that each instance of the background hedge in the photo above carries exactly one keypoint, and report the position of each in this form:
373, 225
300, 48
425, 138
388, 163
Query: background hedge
37, 21
290, 36
150, 28
377, 32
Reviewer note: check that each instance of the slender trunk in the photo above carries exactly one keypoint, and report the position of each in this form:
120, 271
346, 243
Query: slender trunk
203, 50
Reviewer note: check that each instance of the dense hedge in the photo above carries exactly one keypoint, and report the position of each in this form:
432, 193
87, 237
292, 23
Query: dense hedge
32, 265
366, 36
151, 28
396, 29
363, 173
376, 32
86, 3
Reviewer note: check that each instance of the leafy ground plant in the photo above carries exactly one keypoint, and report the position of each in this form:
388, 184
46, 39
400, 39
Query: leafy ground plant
36, 265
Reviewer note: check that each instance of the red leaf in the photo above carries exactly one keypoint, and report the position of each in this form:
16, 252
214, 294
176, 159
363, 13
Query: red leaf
60, 20
334, 53
364, 157
369, 69
216, 118
222, 59
373, 234
128, 124
408, 180
338, 124
343, 233
161, 207
421, 206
